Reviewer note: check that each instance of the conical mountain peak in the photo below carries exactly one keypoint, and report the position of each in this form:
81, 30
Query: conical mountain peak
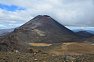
39, 20
42, 16
46, 17
43, 28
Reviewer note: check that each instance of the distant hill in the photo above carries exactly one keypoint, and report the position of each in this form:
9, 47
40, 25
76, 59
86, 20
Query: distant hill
5, 31
84, 34
41, 29
77, 30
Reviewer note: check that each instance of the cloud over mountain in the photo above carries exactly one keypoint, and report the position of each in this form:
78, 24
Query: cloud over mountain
67, 12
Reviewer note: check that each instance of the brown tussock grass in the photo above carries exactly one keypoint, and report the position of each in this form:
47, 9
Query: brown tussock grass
39, 44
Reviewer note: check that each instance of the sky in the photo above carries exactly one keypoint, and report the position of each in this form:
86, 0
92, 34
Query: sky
14, 13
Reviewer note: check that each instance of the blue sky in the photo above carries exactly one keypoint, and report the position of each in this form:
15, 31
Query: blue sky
8, 23
10, 7
14, 13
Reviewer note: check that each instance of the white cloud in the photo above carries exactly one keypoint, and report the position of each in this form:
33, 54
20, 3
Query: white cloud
67, 12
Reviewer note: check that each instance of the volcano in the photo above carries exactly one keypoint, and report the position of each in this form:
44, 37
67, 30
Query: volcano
41, 29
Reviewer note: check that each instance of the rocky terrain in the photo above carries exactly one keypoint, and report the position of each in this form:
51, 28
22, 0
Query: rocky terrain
41, 57
66, 52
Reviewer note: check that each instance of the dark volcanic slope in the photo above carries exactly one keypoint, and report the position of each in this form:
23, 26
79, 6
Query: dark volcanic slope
44, 29
40, 29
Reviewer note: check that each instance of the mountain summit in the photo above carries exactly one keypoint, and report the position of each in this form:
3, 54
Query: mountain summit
41, 29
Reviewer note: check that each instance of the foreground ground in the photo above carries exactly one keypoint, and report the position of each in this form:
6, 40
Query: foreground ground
41, 52
43, 57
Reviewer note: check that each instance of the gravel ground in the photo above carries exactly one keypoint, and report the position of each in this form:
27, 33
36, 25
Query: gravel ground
43, 57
